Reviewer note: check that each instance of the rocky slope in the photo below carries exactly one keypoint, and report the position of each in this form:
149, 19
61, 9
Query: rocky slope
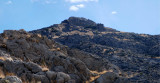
33, 58
136, 54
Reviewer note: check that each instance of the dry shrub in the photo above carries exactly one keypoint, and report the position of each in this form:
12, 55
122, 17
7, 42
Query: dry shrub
58, 49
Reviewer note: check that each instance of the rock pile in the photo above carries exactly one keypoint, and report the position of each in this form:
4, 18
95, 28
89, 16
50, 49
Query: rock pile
32, 58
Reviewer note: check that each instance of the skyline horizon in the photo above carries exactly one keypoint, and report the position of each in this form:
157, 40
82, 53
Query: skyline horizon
78, 17
138, 16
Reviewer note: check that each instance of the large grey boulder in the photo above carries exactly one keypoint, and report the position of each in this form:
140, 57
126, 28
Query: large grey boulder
51, 75
33, 67
39, 78
111, 77
62, 77
108, 77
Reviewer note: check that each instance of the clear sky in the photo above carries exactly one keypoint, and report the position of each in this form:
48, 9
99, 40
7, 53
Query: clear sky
139, 16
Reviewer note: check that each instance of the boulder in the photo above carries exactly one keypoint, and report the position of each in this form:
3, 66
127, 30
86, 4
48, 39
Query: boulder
108, 77
51, 75
11, 79
62, 76
33, 67
39, 78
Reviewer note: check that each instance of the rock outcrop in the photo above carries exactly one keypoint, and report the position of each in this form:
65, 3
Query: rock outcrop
33, 58
111, 77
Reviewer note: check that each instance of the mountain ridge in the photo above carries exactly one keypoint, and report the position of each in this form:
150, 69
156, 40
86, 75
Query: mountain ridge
94, 23
72, 28
78, 50
129, 51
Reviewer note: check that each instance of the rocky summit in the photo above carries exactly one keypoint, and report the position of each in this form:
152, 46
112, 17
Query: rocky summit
78, 50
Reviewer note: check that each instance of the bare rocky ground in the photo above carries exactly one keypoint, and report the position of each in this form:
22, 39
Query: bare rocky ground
136, 55
78, 51
33, 58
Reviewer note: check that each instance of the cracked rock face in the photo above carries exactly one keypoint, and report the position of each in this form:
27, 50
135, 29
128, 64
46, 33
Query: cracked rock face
32, 58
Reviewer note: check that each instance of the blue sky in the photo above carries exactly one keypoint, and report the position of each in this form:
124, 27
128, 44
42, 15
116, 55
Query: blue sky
139, 16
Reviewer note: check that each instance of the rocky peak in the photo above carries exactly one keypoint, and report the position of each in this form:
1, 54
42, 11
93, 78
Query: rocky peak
136, 54
79, 21
83, 22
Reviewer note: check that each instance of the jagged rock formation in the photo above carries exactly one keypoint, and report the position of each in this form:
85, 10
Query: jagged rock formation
32, 58
79, 22
136, 54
